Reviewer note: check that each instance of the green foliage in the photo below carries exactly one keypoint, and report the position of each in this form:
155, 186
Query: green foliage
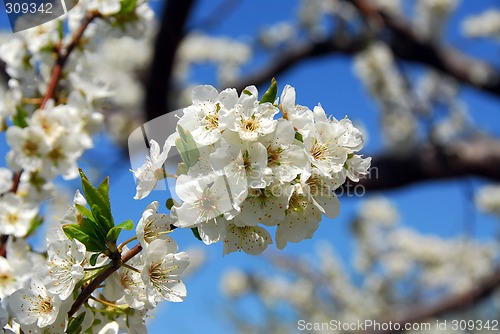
170, 203
96, 230
93, 259
187, 147
36, 222
271, 93
298, 136
19, 119
196, 233
75, 324
128, 6
113, 234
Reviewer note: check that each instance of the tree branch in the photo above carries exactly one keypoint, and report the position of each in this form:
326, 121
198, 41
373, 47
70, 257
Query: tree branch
87, 292
296, 54
459, 302
405, 43
171, 33
476, 157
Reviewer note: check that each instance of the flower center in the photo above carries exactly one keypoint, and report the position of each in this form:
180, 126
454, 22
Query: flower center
12, 218
212, 121
273, 156
250, 124
319, 151
56, 154
30, 148
45, 305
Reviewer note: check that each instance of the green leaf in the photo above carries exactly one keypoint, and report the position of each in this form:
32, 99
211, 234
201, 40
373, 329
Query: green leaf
128, 6
93, 259
92, 229
170, 203
271, 93
73, 231
187, 147
182, 168
19, 119
298, 136
101, 219
104, 189
115, 231
96, 199
196, 233
34, 224
75, 324
84, 211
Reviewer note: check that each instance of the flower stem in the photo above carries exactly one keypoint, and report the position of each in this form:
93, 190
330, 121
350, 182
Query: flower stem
103, 275
130, 267
120, 246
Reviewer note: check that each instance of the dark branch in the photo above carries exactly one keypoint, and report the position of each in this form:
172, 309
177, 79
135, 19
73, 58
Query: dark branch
296, 54
479, 157
171, 33
419, 314
405, 43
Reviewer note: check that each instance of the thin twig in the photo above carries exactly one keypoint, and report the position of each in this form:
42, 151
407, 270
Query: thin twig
87, 292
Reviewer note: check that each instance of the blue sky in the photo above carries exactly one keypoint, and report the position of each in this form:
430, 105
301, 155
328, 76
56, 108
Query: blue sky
434, 208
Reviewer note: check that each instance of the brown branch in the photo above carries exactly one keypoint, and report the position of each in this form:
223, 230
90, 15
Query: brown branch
296, 54
475, 157
63, 55
462, 301
407, 44
87, 292
171, 32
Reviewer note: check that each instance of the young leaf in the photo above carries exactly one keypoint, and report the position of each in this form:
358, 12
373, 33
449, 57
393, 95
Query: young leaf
95, 198
92, 229
271, 93
75, 324
103, 223
73, 231
169, 203
187, 147
298, 136
113, 234
196, 233
34, 224
181, 168
128, 6
84, 211
93, 259
19, 118
104, 189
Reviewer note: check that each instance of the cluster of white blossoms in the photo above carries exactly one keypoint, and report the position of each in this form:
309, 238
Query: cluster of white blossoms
486, 24
431, 16
246, 168
488, 199
376, 68
391, 262
52, 106
39, 301
444, 265
228, 55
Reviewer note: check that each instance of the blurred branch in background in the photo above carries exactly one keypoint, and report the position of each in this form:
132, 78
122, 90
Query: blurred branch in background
171, 32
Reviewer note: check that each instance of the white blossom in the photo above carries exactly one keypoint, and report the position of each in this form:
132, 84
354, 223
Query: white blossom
16, 215
153, 225
162, 271
34, 305
152, 171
